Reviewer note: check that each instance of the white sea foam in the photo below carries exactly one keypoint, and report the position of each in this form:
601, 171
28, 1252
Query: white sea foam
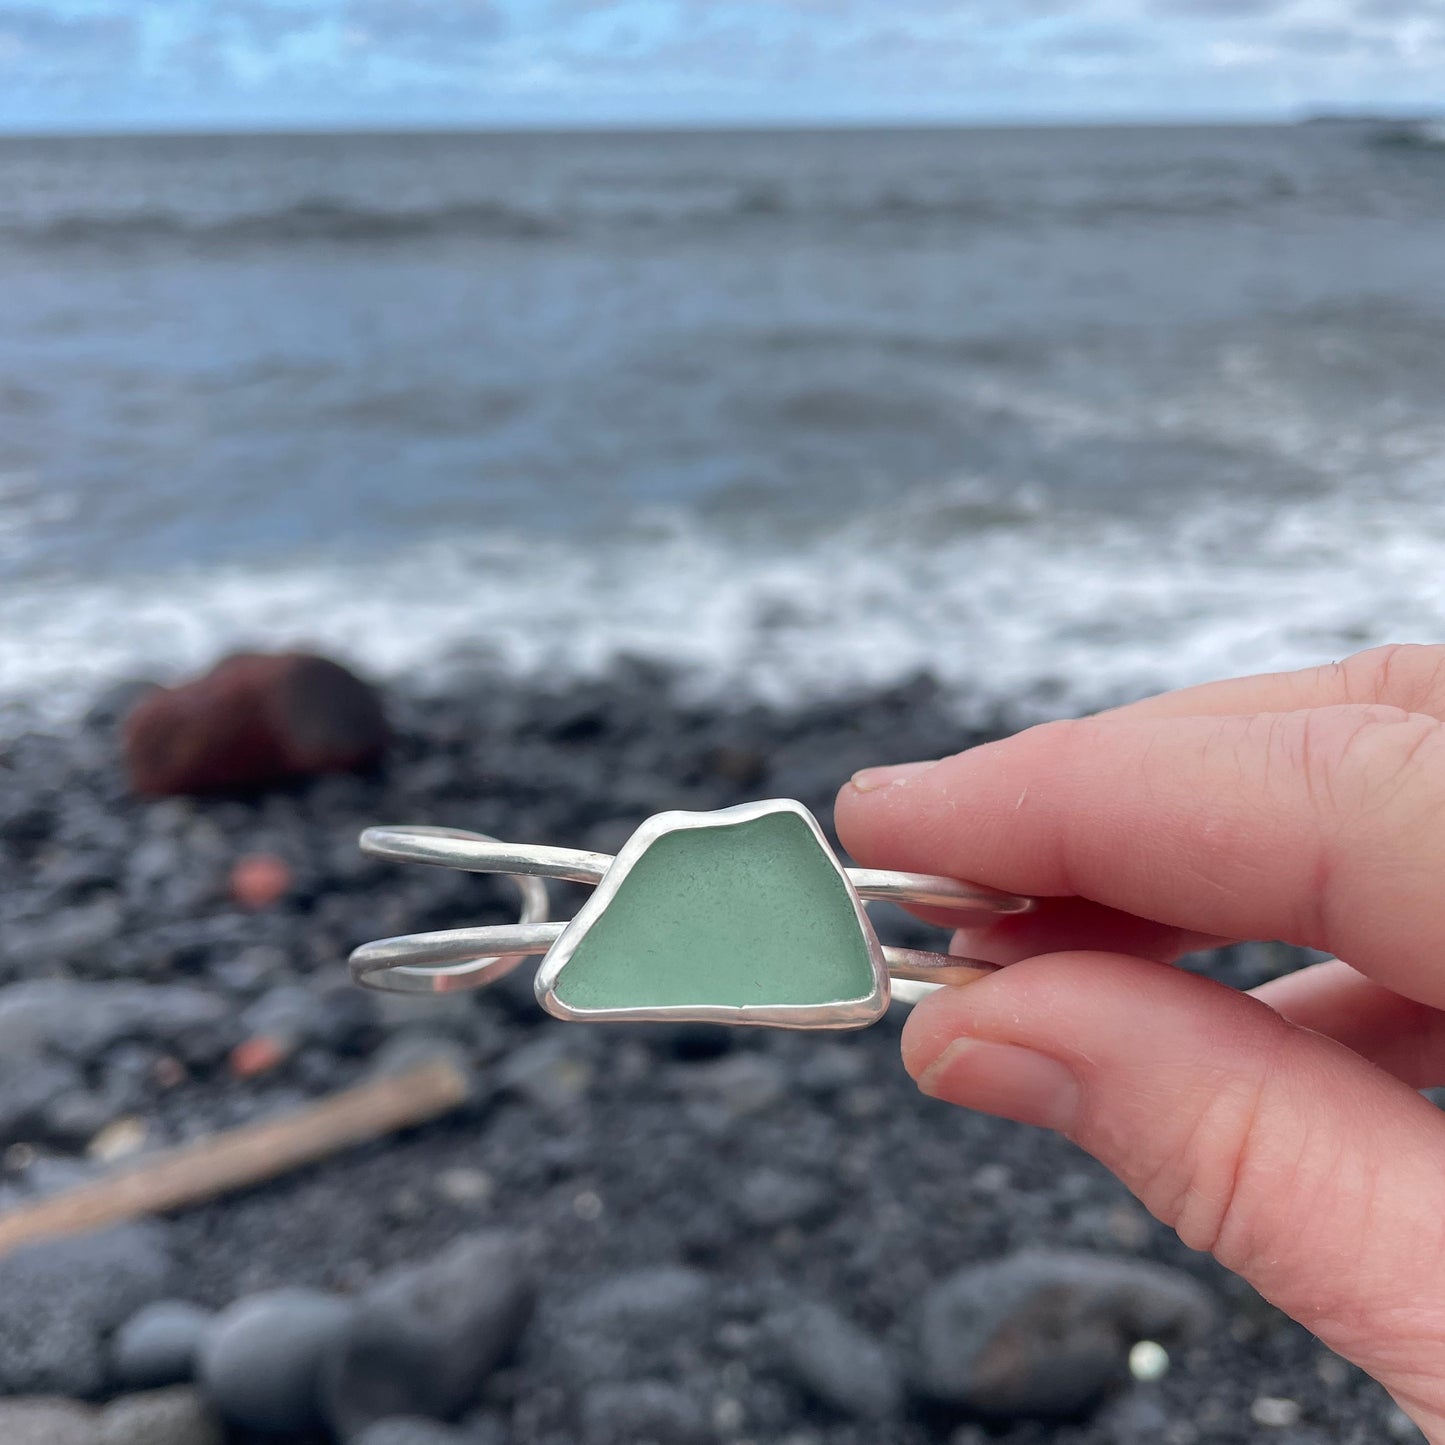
1033, 618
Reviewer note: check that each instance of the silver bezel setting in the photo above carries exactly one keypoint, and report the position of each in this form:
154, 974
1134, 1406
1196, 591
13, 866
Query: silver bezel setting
842, 1014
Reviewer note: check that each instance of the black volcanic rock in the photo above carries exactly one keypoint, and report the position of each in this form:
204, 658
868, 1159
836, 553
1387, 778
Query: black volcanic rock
261, 1360
59, 1300
422, 1339
1048, 1333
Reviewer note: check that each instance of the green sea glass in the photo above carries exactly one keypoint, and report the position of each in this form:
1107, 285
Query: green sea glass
750, 913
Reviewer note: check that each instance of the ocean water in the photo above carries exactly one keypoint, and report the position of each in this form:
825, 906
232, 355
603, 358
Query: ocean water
1058, 415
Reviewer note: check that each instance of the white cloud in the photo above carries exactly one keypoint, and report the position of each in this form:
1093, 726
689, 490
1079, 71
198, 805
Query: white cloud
475, 60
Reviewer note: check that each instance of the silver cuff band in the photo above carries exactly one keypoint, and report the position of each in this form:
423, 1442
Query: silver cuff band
477, 853
466, 958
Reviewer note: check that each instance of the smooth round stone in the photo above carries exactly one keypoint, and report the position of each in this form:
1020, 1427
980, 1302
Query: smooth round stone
1048, 1333
772, 1198
838, 1363
261, 1359
158, 1345
624, 1412
160, 1417
59, 1299
423, 1338
627, 1326
409, 1430
47, 1422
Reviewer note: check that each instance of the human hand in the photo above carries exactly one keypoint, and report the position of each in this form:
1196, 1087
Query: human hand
1281, 1131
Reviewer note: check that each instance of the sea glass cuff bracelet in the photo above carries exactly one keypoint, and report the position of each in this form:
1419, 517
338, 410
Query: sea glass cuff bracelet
742, 916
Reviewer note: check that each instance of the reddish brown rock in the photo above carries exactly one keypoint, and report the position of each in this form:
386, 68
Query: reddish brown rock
254, 720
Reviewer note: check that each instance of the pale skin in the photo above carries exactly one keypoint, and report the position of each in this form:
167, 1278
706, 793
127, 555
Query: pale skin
1282, 1130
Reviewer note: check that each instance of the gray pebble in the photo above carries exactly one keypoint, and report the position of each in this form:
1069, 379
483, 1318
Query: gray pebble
654, 1298
64, 935
70, 877
629, 1323
249, 969
285, 1012
771, 1198
1134, 1416
82, 1020
424, 1337
741, 1083
58, 1300
158, 1345
154, 861
398, 1011
410, 1430
833, 1067
75, 1116
547, 1073
31, 1089
411, 1048
626, 1413
342, 1016
1399, 1426
836, 1362
485, 1427
337, 1017
970, 1435
160, 1417
260, 1361
130, 1076
47, 1422
1048, 1333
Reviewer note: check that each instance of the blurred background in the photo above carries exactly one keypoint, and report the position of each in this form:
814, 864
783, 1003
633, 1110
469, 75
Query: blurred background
1091, 408
664, 403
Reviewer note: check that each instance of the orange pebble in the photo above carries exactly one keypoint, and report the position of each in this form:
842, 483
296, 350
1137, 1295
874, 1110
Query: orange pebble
258, 1055
260, 880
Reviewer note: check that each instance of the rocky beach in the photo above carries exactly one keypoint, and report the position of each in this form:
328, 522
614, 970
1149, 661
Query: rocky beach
640, 1233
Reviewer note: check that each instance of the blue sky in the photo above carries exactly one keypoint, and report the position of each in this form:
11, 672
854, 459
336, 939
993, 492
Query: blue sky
67, 64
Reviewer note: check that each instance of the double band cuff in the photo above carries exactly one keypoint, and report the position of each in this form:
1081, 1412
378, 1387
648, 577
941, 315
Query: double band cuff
739, 916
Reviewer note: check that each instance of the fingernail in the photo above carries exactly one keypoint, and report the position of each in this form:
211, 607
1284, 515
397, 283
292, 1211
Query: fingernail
1004, 1079
871, 779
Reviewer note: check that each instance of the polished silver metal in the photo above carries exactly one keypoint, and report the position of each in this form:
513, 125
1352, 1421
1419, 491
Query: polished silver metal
466, 958
477, 853
451, 960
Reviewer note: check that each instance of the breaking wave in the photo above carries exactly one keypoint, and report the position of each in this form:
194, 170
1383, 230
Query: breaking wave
1025, 620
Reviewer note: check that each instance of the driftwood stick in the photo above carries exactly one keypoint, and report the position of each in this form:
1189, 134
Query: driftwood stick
218, 1163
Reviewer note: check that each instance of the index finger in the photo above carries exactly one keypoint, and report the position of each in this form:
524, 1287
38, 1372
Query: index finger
1404, 675
1323, 827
